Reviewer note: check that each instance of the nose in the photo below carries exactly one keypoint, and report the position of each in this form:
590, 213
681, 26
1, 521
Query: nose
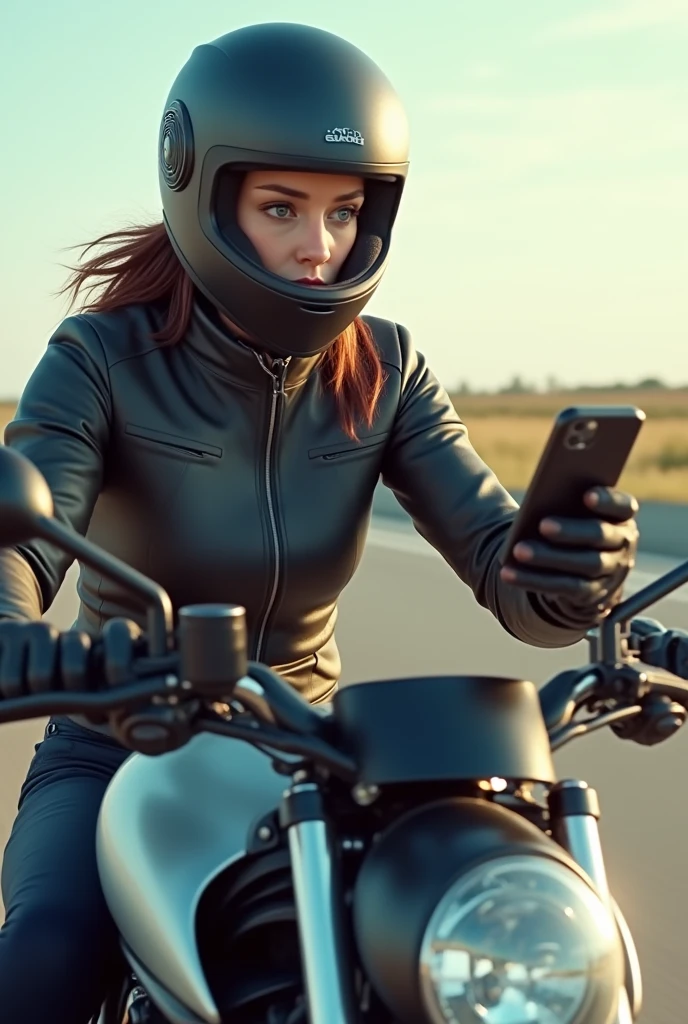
314, 245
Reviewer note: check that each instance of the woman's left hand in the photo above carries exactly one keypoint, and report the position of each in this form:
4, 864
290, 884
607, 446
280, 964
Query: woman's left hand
580, 565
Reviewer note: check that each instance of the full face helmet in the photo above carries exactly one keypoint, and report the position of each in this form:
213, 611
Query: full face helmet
291, 97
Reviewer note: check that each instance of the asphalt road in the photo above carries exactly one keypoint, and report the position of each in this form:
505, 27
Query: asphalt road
404, 614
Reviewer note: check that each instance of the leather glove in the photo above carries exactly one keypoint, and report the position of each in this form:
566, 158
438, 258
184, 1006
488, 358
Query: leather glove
122, 641
576, 573
36, 658
663, 648
661, 716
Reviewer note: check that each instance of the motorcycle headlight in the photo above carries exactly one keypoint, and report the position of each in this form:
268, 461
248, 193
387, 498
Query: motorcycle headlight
465, 913
518, 940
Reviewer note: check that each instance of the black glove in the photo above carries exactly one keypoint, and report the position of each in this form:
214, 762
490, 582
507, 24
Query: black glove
663, 648
666, 649
36, 658
576, 574
121, 642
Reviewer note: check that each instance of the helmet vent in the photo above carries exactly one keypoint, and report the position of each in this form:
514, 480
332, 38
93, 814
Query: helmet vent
320, 310
176, 146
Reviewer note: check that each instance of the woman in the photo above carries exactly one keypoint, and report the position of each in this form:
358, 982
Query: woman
219, 419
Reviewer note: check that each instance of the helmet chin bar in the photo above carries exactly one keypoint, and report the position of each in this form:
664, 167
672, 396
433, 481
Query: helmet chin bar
212, 311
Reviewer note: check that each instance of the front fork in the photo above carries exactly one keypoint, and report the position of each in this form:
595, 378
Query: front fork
574, 814
318, 894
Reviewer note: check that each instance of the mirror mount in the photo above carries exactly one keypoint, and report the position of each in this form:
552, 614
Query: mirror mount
610, 629
160, 617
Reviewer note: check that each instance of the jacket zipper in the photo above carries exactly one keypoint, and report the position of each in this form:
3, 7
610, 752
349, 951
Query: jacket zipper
278, 379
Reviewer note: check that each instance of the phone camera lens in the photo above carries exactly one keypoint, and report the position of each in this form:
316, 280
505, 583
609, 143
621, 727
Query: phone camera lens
581, 434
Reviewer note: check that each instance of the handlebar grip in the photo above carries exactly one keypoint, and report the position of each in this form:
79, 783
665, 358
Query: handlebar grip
36, 659
666, 650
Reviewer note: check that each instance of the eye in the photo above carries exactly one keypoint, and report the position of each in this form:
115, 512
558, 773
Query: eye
280, 211
345, 214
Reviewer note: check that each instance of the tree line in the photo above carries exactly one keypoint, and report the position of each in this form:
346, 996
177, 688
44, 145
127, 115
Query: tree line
518, 386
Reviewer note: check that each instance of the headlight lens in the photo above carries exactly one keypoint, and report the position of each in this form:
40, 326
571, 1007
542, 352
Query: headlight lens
521, 940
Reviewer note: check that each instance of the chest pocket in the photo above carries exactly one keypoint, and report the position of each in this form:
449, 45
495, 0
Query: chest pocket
174, 444
348, 449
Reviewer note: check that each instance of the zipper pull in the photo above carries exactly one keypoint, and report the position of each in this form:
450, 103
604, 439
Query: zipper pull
279, 377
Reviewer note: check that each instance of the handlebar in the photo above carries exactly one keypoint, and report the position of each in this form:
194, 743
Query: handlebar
281, 719
643, 697
56, 702
286, 723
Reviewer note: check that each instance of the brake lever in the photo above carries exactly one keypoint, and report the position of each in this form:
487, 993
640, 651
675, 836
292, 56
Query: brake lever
625, 683
622, 716
643, 706
632, 680
657, 677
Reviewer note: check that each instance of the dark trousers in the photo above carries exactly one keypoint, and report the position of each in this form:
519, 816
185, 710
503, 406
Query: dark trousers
58, 946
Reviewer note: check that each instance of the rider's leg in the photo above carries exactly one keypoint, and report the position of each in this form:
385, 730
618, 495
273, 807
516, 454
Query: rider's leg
58, 945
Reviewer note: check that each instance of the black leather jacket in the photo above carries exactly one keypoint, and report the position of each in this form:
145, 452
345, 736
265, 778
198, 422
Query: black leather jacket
192, 464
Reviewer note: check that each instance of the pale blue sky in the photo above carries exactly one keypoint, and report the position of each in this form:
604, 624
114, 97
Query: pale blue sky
544, 228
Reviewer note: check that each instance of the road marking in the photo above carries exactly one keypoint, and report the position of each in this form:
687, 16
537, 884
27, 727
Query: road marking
408, 542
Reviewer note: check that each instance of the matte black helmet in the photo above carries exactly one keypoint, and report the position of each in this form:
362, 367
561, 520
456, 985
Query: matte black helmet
291, 97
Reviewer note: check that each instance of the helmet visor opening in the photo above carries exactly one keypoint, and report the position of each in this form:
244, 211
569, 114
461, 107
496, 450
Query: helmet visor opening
373, 233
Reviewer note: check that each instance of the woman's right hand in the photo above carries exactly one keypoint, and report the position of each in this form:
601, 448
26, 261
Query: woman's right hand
36, 658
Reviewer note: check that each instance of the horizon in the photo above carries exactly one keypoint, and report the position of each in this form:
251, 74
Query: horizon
544, 226
645, 385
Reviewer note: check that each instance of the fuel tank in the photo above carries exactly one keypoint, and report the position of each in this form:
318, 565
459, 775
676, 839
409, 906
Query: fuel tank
168, 825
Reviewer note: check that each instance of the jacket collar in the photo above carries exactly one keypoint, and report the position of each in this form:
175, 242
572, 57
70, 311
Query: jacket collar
229, 357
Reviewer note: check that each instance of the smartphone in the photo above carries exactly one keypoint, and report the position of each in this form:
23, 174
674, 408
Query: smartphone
588, 447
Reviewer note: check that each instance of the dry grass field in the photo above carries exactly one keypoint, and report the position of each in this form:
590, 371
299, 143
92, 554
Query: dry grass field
509, 432
657, 403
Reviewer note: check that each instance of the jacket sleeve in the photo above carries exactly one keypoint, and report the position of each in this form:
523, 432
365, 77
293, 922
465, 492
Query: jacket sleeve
456, 502
62, 425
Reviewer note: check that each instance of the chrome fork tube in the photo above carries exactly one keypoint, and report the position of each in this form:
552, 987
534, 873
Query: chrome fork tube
318, 895
623, 1014
574, 813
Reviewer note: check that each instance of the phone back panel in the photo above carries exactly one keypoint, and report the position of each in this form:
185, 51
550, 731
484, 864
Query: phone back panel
588, 447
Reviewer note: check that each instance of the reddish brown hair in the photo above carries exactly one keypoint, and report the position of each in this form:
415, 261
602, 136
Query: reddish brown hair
140, 266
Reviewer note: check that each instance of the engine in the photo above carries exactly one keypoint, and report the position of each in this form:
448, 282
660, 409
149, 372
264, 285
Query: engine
248, 941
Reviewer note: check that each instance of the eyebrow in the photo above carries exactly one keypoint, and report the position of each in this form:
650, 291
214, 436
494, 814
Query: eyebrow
283, 190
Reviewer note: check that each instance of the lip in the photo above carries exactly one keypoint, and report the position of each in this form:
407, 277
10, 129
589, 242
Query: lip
309, 280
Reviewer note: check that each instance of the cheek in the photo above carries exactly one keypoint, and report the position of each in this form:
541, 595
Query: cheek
345, 243
256, 227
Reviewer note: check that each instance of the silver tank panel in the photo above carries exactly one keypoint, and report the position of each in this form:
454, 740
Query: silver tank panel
168, 825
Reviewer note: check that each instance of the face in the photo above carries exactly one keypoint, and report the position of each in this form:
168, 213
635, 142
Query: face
302, 225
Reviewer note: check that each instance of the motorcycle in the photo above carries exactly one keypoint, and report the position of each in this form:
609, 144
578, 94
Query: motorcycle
405, 855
